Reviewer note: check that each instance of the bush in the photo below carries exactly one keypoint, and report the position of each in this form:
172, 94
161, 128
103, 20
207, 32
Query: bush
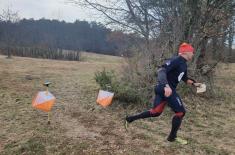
104, 79
125, 92
183, 89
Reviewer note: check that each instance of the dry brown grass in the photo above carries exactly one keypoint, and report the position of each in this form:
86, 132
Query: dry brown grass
79, 126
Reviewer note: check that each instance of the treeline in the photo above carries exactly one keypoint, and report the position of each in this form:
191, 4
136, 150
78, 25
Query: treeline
53, 34
43, 53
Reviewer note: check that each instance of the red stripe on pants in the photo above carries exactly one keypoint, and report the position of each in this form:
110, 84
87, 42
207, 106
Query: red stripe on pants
159, 108
179, 114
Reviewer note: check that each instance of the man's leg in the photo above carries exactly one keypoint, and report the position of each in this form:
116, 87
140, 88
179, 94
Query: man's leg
157, 109
177, 106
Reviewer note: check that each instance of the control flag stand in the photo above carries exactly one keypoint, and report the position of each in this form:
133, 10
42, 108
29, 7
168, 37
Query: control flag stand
44, 101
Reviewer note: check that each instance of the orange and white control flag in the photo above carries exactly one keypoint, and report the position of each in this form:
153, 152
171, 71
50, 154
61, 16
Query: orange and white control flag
104, 98
44, 101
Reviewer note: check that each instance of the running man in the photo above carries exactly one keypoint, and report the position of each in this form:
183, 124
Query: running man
169, 75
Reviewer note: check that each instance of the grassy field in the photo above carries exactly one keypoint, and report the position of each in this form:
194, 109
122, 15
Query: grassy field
80, 126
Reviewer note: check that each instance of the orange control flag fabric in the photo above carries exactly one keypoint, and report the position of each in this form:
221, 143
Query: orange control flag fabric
44, 101
104, 98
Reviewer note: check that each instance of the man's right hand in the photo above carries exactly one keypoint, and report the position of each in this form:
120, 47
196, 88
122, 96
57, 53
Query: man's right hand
168, 91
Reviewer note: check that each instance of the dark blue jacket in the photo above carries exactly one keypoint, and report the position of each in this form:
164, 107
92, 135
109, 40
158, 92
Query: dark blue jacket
173, 71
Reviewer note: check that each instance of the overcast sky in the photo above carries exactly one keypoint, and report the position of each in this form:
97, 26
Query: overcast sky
50, 9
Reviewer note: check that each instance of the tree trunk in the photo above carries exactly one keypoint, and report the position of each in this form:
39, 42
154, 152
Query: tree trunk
230, 42
8, 52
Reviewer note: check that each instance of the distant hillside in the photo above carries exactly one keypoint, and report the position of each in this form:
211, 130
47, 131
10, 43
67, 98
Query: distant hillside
80, 35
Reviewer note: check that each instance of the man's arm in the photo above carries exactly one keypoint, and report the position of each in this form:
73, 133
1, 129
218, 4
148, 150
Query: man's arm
162, 75
188, 80
162, 78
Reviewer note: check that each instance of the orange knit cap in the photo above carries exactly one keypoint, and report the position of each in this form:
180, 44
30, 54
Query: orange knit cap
185, 47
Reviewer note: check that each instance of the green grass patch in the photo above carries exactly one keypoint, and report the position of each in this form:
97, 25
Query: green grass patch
33, 145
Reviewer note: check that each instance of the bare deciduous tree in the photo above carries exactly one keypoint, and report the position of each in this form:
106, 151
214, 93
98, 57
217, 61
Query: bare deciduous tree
10, 18
174, 21
165, 24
